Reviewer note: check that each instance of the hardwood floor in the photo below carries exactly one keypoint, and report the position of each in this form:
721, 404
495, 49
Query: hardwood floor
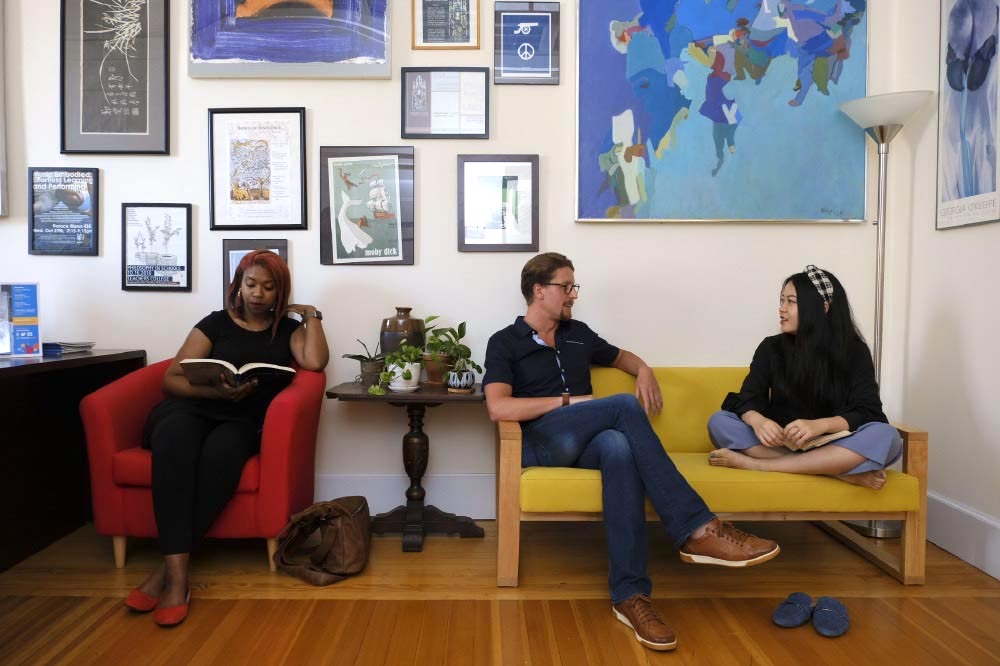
441, 607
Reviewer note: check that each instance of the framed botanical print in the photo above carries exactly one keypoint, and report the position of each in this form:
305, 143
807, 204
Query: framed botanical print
115, 76
65, 211
366, 205
234, 249
445, 103
526, 43
445, 24
257, 168
308, 38
498, 203
156, 247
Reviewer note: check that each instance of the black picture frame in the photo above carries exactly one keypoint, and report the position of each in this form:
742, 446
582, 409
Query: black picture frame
416, 103
65, 205
225, 181
114, 86
498, 178
521, 43
445, 26
404, 157
230, 246
138, 229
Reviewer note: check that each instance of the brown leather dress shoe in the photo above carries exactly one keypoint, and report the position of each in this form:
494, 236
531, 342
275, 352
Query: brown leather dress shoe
728, 546
649, 627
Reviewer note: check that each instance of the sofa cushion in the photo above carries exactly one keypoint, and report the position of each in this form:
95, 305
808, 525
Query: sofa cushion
134, 467
725, 490
690, 396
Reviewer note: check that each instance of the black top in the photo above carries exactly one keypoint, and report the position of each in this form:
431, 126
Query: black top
762, 393
513, 356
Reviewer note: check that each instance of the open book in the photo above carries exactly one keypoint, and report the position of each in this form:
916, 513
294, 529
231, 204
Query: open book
819, 441
209, 372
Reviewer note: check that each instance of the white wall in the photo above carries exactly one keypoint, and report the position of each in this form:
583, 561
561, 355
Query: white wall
664, 291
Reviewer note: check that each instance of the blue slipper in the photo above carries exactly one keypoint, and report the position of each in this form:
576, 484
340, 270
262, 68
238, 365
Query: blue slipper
793, 611
830, 617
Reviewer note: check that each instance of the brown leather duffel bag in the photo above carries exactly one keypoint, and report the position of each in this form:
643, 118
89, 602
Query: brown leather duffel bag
327, 542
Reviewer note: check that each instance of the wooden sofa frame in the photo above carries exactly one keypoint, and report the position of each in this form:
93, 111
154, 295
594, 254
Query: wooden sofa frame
908, 567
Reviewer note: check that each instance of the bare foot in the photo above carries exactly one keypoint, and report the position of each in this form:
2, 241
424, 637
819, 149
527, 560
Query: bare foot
153, 586
730, 458
794, 102
874, 479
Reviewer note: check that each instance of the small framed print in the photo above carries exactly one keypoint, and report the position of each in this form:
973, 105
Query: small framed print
156, 247
526, 43
115, 74
498, 203
366, 205
234, 249
65, 211
257, 168
445, 24
445, 103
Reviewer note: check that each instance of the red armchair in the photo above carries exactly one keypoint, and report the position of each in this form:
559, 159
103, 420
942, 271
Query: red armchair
275, 483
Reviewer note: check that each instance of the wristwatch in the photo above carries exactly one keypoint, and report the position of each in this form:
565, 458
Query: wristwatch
317, 314
565, 399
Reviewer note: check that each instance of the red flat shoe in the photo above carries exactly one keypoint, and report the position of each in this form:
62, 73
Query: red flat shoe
171, 616
140, 602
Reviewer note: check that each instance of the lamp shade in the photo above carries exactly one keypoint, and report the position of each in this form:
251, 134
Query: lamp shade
887, 109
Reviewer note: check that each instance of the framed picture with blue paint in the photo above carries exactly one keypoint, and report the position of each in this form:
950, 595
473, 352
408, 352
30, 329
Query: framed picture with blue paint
526, 43
276, 38
720, 110
967, 114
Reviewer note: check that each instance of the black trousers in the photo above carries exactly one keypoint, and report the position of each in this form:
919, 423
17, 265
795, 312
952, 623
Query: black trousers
197, 463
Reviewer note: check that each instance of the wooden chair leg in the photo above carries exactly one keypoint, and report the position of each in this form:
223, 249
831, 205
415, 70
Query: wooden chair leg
118, 544
272, 548
508, 504
913, 559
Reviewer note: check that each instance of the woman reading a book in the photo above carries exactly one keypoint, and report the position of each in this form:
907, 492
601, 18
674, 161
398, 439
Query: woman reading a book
202, 434
810, 404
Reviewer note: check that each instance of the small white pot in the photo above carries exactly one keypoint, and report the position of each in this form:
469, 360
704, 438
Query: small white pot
401, 385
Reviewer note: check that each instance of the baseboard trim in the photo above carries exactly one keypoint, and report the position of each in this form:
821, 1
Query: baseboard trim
472, 495
964, 532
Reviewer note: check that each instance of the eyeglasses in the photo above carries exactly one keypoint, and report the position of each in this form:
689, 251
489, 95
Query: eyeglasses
568, 288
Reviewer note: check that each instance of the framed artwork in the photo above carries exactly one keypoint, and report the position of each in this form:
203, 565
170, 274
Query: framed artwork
271, 38
234, 249
526, 43
65, 211
445, 24
366, 205
156, 247
967, 115
257, 168
720, 111
498, 203
445, 103
115, 76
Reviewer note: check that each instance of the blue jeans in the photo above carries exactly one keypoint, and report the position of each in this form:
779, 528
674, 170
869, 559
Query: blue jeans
613, 435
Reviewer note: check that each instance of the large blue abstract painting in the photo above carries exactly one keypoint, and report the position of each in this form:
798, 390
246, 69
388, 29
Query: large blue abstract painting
304, 38
700, 110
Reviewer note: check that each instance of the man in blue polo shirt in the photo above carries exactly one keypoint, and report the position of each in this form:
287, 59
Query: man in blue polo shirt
538, 373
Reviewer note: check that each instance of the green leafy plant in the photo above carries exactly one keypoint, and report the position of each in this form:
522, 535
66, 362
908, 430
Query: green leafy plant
367, 357
396, 364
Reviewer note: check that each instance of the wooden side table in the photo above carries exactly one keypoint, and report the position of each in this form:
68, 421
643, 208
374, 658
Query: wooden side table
413, 519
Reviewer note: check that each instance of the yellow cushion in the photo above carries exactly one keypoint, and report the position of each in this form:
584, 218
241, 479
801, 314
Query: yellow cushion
562, 489
690, 396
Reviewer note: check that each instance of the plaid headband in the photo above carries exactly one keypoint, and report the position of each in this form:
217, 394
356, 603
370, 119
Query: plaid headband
821, 282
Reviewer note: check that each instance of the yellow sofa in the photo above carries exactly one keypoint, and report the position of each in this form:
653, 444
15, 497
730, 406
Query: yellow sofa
690, 396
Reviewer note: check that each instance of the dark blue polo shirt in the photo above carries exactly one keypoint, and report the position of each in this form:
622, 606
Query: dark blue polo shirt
514, 357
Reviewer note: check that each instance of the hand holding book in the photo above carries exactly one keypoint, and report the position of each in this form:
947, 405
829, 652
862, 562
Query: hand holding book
805, 434
231, 382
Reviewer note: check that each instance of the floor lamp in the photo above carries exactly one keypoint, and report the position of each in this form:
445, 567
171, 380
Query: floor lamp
882, 116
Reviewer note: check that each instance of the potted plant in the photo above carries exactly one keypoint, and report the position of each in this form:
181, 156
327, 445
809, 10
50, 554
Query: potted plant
435, 358
460, 376
372, 365
402, 369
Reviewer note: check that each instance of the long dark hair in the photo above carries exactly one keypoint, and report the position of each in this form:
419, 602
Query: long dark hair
282, 284
816, 357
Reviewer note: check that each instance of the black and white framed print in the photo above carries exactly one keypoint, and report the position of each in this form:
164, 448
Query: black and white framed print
156, 247
526, 43
257, 168
65, 211
498, 203
115, 76
445, 103
234, 249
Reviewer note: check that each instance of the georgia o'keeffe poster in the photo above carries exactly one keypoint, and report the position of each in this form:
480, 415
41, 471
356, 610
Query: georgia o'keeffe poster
720, 110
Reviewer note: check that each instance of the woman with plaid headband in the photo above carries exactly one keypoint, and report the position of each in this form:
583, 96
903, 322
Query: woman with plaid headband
815, 377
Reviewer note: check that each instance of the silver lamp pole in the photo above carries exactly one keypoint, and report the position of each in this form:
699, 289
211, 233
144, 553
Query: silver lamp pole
882, 118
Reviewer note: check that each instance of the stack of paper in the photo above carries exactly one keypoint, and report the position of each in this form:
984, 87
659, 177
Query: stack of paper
60, 348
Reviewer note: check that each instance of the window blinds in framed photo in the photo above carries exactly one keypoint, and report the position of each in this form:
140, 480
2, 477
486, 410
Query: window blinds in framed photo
498, 203
115, 76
